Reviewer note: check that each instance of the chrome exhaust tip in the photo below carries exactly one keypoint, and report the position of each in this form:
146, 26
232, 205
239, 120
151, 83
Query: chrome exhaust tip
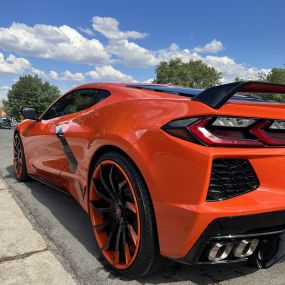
245, 248
220, 251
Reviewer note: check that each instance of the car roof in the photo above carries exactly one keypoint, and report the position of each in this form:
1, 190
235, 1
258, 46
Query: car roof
165, 88
176, 90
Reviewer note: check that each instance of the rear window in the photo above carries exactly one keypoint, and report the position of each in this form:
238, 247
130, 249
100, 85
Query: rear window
188, 92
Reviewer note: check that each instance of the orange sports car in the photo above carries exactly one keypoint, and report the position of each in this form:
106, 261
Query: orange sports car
166, 172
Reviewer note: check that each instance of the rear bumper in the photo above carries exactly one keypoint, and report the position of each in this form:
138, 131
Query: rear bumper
181, 226
266, 227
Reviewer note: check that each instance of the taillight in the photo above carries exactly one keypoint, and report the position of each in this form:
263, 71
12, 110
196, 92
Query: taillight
270, 133
229, 131
211, 133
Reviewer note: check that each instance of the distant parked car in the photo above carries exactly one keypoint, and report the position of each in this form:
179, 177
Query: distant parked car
5, 123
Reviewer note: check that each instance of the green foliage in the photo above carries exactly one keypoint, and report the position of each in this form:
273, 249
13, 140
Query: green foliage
238, 79
194, 73
276, 75
29, 91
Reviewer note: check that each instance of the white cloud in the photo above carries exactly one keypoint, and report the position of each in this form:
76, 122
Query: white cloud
213, 46
65, 76
128, 53
108, 73
173, 51
19, 65
87, 31
150, 80
53, 75
51, 42
109, 28
230, 69
77, 76
39, 73
3, 92
100, 73
13, 64
65, 43
132, 55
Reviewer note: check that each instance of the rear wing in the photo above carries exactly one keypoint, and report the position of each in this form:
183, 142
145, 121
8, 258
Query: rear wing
216, 97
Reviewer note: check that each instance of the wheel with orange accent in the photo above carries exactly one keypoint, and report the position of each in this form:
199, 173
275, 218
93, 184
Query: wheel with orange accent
19, 160
122, 216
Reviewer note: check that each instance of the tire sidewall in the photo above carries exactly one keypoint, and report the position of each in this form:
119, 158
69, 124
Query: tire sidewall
147, 249
24, 176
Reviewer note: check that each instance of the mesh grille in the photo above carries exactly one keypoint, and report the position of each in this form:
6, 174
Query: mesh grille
231, 177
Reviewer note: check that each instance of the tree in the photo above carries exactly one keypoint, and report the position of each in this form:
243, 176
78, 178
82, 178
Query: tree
276, 75
238, 79
29, 91
194, 73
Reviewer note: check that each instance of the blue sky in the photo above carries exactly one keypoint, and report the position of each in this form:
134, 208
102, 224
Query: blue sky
72, 42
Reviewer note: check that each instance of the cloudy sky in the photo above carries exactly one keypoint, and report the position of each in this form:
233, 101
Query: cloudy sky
72, 42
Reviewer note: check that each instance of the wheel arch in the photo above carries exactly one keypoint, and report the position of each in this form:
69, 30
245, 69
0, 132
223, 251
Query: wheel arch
98, 153
16, 131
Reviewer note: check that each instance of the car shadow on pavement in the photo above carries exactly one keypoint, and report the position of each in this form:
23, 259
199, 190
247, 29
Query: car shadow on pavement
74, 220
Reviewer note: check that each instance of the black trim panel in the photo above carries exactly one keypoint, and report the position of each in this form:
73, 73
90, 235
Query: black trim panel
49, 184
67, 150
83, 191
231, 178
183, 91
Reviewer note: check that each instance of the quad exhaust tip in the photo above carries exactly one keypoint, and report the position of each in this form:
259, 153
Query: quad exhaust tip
245, 248
220, 251
240, 249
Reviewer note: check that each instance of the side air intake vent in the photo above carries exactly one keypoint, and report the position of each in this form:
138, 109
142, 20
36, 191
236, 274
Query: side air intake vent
230, 178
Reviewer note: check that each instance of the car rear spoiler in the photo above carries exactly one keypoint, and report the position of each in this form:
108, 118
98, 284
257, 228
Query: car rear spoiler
217, 96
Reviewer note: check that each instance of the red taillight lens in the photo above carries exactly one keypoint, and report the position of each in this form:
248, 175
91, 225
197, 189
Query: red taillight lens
213, 135
229, 131
270, 136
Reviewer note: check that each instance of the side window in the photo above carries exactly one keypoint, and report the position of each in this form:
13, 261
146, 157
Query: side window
59, 108
76, 101
85, 99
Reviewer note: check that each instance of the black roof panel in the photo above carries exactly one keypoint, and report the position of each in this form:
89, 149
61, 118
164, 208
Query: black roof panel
190, 92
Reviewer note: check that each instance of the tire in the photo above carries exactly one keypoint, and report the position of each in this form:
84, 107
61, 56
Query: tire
19, 159
145, 258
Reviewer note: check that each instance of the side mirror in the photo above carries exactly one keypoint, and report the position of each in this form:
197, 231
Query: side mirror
29, 113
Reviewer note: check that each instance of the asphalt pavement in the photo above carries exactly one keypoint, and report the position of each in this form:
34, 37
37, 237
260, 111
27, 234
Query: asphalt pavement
66, 230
